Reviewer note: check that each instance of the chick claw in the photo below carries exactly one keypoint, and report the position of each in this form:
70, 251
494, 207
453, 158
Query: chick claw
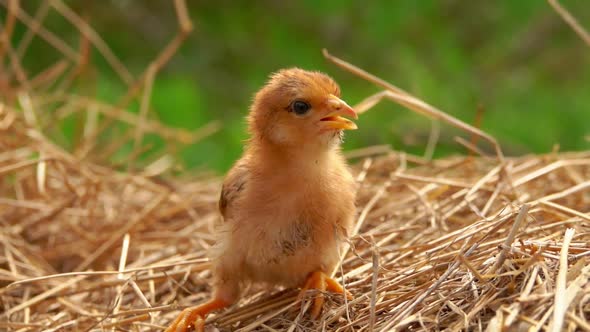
194, 317
320, 281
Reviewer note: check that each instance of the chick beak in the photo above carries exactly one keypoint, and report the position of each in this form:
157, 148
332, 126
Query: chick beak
337, 108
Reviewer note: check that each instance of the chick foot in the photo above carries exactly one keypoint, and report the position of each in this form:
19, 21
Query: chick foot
320, 281
195, 316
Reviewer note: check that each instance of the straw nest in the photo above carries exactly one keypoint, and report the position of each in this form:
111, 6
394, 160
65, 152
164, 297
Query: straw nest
462, 243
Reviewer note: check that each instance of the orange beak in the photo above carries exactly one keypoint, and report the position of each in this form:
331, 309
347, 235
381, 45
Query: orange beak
337, 108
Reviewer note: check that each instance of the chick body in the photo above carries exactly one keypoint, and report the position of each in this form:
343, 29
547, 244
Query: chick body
290, 219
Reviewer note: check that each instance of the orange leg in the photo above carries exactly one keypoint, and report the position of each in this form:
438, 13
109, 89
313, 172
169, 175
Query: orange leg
320, 281
195, 316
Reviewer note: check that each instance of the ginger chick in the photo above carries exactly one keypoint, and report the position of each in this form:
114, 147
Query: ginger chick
289, 202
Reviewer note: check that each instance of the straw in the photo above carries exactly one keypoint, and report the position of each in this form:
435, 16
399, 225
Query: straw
92, 242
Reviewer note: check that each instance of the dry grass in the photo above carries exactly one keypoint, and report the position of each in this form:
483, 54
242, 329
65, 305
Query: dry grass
464, 243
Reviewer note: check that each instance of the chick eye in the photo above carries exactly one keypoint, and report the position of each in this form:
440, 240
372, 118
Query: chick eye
300, 107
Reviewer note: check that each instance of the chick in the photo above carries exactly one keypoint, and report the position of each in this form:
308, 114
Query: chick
289, 202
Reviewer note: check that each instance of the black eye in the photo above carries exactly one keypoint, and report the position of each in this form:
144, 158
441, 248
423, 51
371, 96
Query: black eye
300, 107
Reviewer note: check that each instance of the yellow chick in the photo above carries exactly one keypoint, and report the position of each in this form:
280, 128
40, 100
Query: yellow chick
289, 202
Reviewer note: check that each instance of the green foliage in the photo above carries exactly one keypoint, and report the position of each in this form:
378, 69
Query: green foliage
517, 59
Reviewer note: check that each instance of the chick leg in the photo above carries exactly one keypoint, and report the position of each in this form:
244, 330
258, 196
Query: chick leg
195, 316
322, 282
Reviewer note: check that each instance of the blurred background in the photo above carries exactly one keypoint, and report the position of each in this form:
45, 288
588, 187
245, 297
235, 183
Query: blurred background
517, 61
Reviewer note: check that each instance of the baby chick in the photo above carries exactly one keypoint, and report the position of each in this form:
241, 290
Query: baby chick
288, 203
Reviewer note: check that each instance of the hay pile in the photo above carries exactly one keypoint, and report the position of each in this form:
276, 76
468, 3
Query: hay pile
465, 243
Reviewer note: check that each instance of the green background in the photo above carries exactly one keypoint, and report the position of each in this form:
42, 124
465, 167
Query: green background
516, 59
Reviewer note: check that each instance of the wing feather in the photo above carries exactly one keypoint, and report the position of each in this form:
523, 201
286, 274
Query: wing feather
233, 185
